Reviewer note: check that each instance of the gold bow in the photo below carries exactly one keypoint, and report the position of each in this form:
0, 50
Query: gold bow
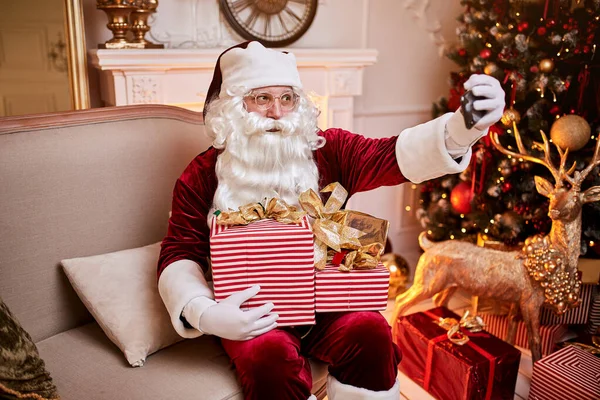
328, 232
276, 209
366, 257
472, 323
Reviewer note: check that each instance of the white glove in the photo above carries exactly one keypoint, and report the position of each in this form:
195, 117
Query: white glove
480, 85
226, 320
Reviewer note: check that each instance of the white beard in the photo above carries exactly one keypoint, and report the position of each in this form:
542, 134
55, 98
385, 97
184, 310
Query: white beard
256, 165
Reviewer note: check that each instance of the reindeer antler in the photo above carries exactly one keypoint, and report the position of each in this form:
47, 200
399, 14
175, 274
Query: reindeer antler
558, 174
580, 176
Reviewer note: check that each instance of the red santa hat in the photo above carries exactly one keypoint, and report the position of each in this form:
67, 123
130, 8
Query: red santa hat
251, 65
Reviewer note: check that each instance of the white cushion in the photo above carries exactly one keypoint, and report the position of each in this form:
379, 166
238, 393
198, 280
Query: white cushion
120, 291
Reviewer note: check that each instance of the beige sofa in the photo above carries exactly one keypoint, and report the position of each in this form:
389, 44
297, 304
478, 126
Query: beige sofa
83, 183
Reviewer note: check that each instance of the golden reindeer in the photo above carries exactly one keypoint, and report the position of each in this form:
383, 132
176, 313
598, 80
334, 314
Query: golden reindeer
545, 270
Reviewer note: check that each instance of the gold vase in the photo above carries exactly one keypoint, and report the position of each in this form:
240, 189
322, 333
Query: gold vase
139, 23
118, 12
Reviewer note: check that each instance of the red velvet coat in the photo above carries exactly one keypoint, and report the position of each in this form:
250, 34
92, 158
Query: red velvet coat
358, 163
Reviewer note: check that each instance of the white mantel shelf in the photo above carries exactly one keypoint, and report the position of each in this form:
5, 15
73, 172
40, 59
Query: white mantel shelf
182, 76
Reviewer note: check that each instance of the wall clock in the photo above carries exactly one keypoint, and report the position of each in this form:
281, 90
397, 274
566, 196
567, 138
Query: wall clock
274, 23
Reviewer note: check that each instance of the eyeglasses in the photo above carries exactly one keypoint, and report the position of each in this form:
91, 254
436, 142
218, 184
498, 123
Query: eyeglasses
264, 101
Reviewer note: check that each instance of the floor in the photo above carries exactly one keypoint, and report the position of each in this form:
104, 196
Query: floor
459, 303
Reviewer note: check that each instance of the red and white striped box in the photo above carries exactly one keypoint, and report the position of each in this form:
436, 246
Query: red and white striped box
357, 290
574, 316
278, 257
497, 325
570, 373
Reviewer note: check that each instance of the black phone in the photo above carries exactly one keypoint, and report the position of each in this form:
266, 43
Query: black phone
470, 115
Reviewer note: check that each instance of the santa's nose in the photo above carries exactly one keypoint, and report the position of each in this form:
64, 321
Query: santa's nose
275, 111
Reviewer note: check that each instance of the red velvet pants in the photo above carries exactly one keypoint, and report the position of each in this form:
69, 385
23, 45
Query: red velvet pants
357, 346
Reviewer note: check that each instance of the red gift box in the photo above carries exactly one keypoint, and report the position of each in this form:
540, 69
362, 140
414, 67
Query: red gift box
483, 368
278, 257
357, 290
570, 373
497, 325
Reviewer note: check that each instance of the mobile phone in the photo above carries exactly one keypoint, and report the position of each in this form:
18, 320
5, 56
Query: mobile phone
470, 115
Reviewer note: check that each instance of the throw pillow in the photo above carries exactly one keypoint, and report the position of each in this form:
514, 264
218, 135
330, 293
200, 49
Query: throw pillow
23, 374
121, 292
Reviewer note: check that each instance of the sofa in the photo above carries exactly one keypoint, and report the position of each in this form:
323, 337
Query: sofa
84, 183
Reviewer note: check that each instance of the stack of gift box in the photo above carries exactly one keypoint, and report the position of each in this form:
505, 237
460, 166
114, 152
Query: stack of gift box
486, 367
299, 269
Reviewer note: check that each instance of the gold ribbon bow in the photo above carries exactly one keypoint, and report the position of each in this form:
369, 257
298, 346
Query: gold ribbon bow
276, 209
455, 335
328, 232
366, 257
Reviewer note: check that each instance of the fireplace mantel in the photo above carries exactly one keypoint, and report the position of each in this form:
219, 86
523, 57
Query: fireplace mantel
182, 76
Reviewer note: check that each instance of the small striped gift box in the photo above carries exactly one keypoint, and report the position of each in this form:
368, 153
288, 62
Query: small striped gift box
497, 325
278, 257
570, 373
357, 290
574, 316
594, 319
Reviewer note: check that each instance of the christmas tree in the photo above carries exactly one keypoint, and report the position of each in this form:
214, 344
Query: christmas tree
543, 52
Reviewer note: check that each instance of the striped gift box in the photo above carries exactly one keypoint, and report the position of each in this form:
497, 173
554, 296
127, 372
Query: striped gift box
570, 373
497, 325
594, 319
574, 316
357, 290
278, 257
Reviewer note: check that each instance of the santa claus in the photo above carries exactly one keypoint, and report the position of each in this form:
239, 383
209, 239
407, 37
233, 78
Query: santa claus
267, 144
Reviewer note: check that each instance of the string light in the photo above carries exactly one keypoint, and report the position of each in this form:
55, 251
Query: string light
429, 232
486, 230
462, 215
452, 237
592, 243
491, 222
444, 195
488, 45
407, 208
413, 186
463, 230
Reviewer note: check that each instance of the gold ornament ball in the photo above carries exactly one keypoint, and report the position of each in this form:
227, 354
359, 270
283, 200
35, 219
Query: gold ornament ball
546, 65
570, 132
399, 273
491, 68
509, 116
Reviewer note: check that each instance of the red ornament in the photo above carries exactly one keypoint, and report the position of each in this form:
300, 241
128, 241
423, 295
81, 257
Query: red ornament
534, 69
462, 52
541, 31
550, 23
522, 26
461, 197
586, 49
506, 186
485, 53
554, 110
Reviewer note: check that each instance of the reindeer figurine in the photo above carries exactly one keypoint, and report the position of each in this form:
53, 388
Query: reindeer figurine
545, 270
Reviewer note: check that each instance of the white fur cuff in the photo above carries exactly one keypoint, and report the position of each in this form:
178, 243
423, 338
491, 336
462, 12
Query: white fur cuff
179, 283
337, 390
422, 154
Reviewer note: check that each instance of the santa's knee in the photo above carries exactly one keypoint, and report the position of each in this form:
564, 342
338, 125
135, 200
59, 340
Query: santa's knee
369, 333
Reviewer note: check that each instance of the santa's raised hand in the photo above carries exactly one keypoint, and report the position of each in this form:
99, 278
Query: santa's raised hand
491, 106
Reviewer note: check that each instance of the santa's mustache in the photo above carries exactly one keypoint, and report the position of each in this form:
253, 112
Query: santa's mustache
256, 123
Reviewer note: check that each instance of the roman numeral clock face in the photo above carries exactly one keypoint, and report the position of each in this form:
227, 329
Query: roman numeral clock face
274, 23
